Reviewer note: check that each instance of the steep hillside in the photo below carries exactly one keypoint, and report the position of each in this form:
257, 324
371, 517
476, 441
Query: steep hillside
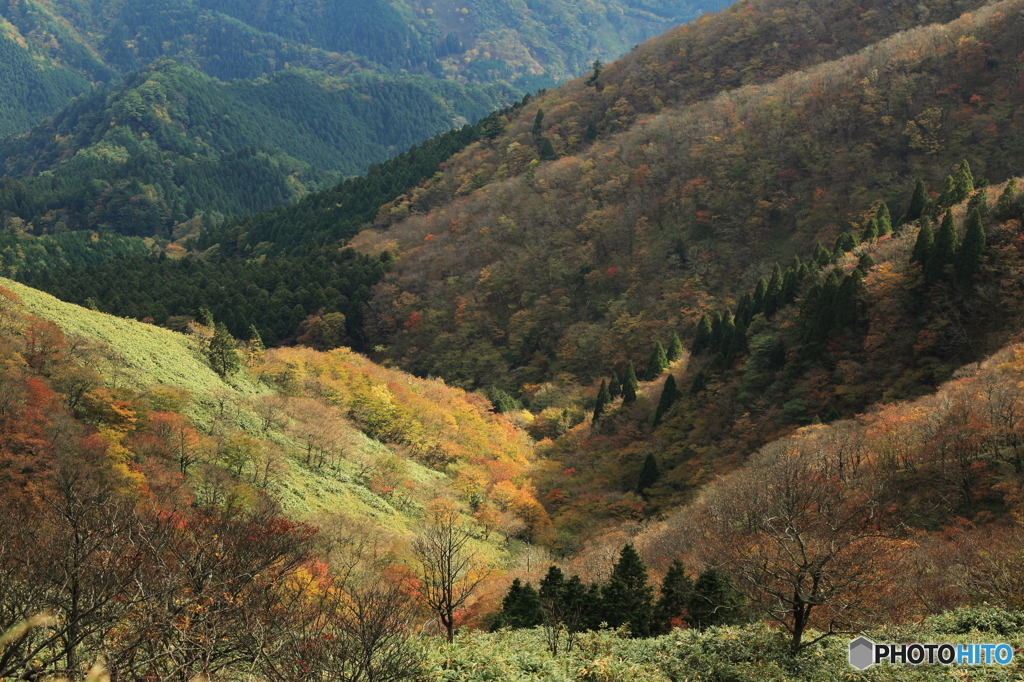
594, 255
170, 143
55, 50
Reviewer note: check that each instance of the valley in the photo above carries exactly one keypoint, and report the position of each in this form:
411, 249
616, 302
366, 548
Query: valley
696, 366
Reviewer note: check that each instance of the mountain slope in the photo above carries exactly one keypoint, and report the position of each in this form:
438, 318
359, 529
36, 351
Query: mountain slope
593, 255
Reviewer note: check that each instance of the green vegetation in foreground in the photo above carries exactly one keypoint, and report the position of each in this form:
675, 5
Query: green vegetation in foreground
750, 653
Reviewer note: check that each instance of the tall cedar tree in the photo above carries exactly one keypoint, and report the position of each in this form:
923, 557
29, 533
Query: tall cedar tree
649, 474
699, 383
669, 395
702, 338
968, 258
884, 219
1006, 206
963, 182
670, 610
773, 296
656, 363
925, 243
918, 203
760, 293
870, 233
204, 317
221, 352
715, 600
944, 252
603, 398
629, 385
614, 386
547, 151
521, 608
675, 349
538, 123
947, 197
627, 599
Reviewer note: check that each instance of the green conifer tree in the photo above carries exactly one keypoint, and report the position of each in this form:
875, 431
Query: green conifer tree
204, 317
773, 295
760, 294
221, 352
702, 338
521, 608
865, 263
968, 258
743, 308
1006, 206
614, 386
670, 610
254, 338
884, 219
947, 197
675, 349
925, 244
963, 182
870, 233
649, 474
591, 131
547, 151
918, 203
944, 252
715, 600
821, 257
627, 599
603, 398
538, 123
656, 363
845, 243
629, 385
669, 395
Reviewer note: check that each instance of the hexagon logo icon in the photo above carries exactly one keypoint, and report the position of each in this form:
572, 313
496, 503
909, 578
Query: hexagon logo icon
862, 653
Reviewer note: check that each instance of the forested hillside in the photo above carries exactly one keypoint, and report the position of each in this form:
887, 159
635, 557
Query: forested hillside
55, 50
595, 254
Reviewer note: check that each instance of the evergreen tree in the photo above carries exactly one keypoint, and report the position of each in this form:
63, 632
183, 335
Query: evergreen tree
717, 332
254, 338
670, 610
649, 474
845, 243
547, 151
614, 386
846, 308
918, 203
656, 363
760, 294
669, 395
978, 202
703, 336
715, 600
870, 233
204, 317
743, 308
865, 263
597, 66
925, 244
629, 385
627, 599
603, 398
947, 197
521, 608
538, 123
591, 131
821, 256
1006, 206
944, 252
728, 338
675, 349
773, 295
883, 219
969, 256
963, 182
221, 352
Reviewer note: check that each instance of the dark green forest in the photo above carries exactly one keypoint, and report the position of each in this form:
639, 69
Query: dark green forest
171, 143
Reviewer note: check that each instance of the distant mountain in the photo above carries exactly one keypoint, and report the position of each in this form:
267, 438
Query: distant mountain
53, 50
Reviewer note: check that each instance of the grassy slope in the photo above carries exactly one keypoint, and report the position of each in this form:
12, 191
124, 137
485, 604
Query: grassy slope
146, 355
